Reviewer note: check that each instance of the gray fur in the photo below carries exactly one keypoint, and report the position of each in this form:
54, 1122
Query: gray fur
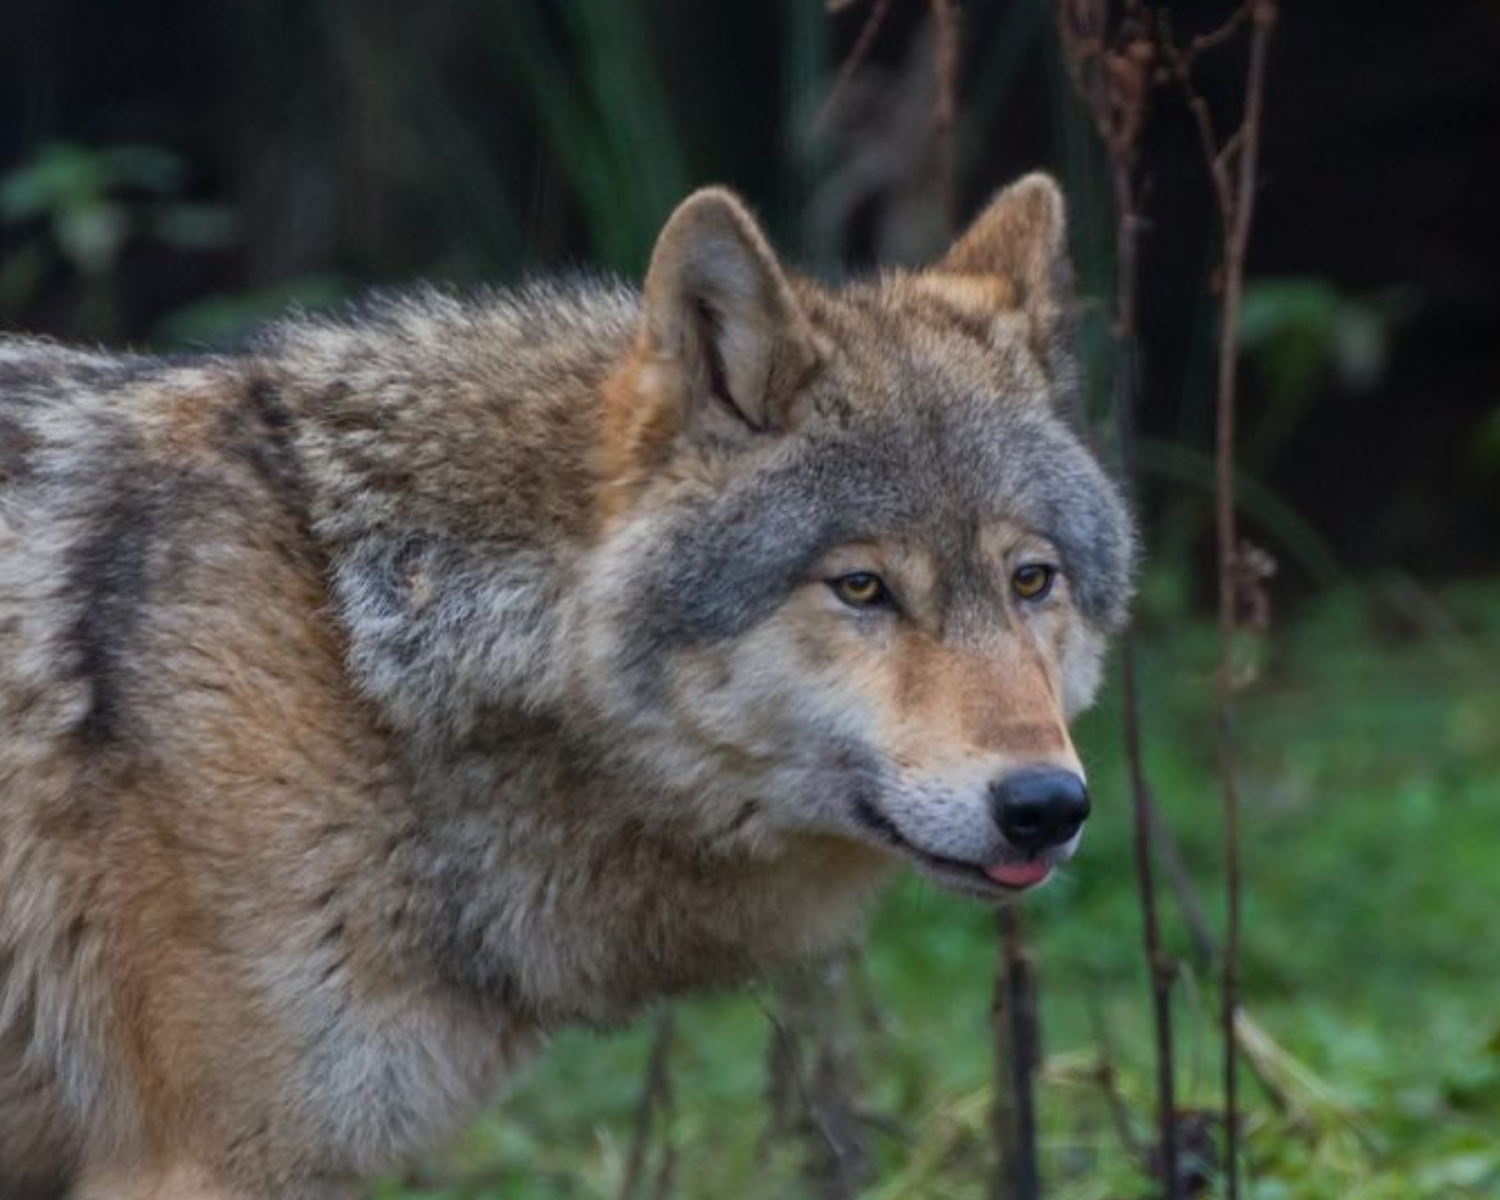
926, 474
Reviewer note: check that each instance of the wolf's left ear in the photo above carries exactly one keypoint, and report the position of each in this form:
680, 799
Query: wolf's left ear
1014, 258
722, 333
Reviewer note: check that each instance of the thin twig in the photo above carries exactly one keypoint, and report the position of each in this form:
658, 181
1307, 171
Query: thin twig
1245, 148
1232, 167
1162, 970
1111, 62
1018, 1052
1215, 38
947, 46
945, 17
812, 1078
1108, 1080
863, 44
1169, 857
655, 1099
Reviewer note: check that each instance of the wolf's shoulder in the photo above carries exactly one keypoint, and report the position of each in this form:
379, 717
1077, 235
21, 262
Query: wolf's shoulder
441, 334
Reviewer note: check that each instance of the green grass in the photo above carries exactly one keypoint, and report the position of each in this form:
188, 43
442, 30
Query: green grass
1370, 754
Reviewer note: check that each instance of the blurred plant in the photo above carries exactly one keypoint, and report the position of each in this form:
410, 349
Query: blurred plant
1484, 445
1297, 333
592, 87
1231, 161
1016, 1030
78, 208
653, 1108
1110, 54
814, 1082
221, 319
1192, 471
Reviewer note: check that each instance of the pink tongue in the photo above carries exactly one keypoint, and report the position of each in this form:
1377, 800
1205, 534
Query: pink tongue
1019, 875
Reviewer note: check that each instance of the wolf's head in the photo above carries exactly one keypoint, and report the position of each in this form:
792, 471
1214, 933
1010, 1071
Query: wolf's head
856, 566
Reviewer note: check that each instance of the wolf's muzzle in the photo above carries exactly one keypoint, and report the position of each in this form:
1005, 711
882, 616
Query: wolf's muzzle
1039, 807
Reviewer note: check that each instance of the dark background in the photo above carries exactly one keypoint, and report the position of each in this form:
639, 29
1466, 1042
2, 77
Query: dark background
300, 151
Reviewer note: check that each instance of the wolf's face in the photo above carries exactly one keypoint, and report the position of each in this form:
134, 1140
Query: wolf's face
856, 569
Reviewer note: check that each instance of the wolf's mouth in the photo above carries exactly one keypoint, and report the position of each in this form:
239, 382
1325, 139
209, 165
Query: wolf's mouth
997, 879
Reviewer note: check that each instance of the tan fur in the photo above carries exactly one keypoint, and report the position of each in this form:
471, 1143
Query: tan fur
382, 698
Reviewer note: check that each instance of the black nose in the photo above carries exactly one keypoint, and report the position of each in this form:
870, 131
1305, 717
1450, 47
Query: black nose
1039, 807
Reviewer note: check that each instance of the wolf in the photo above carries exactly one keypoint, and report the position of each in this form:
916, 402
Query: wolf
415, 682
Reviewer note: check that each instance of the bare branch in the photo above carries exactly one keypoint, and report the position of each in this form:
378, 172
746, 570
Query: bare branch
863, 44
945, 16
1017, 1055
655, 1100
1112, 66
1232, 165
1215, 38
813, 1080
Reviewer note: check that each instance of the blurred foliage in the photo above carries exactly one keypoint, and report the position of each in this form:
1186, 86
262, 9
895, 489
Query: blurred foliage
1301, 334
219, 320
1484, 449
1297, 329
77, 209
595, 94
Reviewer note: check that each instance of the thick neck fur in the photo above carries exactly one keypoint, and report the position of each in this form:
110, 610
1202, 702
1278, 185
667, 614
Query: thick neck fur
537, 885
544, 875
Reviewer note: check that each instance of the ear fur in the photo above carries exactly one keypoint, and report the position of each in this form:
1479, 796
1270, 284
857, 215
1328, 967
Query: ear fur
721, 328
1021, 239
1014, 258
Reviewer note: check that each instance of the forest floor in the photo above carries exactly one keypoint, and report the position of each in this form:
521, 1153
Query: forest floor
1370, 775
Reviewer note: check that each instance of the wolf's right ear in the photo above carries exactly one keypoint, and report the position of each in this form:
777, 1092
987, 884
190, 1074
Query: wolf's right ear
1019, 241
724, 345
1014, 259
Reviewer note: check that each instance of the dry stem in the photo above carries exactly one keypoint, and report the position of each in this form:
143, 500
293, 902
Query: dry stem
863, 44
1231, 164
655, 1100
945, 16
947, 45
1018, 1053
1111, 62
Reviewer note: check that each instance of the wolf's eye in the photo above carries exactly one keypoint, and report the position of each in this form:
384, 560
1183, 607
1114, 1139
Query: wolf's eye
861, 589
1033, 581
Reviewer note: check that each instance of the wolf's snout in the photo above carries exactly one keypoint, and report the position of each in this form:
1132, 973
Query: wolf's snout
1039, 807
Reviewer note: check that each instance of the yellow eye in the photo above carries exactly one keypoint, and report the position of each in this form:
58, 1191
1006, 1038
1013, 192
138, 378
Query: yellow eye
1033, 581
861, 589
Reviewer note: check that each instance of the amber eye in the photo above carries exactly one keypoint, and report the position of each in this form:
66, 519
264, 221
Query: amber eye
861, 589
1033, 581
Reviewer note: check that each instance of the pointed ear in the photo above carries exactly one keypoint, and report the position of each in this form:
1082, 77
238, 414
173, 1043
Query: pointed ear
1013, 261
1021, 238
1018, 246
726, 340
